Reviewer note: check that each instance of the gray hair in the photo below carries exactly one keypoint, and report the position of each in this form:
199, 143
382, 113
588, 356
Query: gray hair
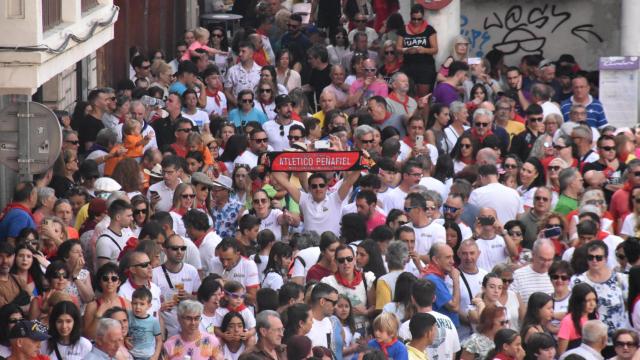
359, 34
456, 106
106, 324
106, 137
583, 131
555, 117
262, 319
190, 307
481, 112
502, 268
306, 239
135, 103
487, 156
117, 195
541, 91
539, 243
395, 76
432, 195
565, 178
336, 67
363, 130
44, 193
593, 331
537, 150
397, 255
575, 107
68, 132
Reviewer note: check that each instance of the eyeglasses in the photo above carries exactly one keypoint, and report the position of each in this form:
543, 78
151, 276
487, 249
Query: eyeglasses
507, 281
294, 137
536, 119
370, 70
178, 248
107, 278
61, 275
218, 35
344, 259
481, 124
318, 186
235, 295
247, 101
598, 202
184, 130
191, 318
628, 344
597, 258
15, 321
139, 211
73, 142
465, 146
554, 168
515, 233
560, 277
262, 140
402, 223
636, 173
260, 201
607, 148
333, 302
540, 198
188, 196
143, 265
265, 91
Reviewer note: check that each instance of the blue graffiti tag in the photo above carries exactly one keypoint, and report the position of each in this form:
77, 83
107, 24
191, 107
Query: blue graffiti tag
478, 38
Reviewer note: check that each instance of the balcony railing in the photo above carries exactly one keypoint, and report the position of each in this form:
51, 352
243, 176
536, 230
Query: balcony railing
51, 13
88, 4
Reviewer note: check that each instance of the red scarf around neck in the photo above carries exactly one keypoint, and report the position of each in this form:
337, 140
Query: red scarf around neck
502, 356
405, 103
237, 309
357, 279
385, 347
415, 30
199, 241
15, 205
134, 286
432, 269
215, 95
180, 211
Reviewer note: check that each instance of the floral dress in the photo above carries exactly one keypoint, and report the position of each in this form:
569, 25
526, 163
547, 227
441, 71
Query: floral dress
610, 300
479, 345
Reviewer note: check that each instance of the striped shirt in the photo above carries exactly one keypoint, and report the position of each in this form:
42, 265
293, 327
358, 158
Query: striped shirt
526, 281
595, 112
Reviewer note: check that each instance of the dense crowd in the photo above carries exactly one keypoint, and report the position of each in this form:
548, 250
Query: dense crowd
499, 218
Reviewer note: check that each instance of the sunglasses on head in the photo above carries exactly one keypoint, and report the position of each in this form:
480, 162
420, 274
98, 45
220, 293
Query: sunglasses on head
344, 259
112, 278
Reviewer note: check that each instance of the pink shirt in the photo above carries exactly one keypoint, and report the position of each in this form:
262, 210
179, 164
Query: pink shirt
377, 220
194, 45
378, 88
567, 331
206, 347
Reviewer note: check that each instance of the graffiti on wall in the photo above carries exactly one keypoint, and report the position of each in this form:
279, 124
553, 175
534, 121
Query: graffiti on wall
521, 30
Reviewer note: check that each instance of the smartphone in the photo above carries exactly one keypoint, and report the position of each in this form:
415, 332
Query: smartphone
321, 144
474, 61
552, 232
486, 220
419, 140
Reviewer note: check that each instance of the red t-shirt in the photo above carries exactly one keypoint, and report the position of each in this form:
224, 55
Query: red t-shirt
317, 272
377, 220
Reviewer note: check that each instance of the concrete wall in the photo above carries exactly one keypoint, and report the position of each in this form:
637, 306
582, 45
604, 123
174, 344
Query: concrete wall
587, 29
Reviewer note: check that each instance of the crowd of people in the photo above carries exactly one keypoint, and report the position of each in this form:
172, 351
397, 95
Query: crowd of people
499, 218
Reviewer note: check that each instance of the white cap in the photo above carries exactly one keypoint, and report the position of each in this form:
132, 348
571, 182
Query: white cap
107, 184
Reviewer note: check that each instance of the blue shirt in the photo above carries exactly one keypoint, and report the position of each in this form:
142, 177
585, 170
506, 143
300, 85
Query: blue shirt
14, 221
443, 296
143, 332
397, 351
595, 112
240, 118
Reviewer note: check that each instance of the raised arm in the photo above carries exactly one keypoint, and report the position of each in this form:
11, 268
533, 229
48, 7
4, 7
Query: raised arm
347, 184
282, 179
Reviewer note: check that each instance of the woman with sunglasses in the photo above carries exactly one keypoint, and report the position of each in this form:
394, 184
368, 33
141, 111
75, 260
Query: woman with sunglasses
65, 327
480, 343
517, 232
553, 175
183, 200
107, 282
265, 96
459, 52
357, 285
391, 61
272, 219
140, 213
609, 285
27, 268
560, 273
58, 278
464, 152
419, 63
530, 178
10, 314
219, 41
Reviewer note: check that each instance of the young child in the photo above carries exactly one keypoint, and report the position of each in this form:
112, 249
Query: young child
385, 332
234, 295
202, 39
133, 140
144, 329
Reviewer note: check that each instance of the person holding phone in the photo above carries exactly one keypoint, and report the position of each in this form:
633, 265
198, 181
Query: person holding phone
495, 243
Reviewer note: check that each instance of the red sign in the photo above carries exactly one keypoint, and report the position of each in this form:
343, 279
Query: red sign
433, 4
292, 161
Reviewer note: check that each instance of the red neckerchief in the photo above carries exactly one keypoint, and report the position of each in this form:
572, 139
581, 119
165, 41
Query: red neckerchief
260, 57
405, 103
602, 235
198, 241
50, 253
503, 356
214, 95
131, 245
295, 116
392, 68
432, 269
407, 140
386, 117
180, 211
180, 149
415, 30
134, 286
357, 279
237, 309
384, 347
12, 206
474, 133
202, 206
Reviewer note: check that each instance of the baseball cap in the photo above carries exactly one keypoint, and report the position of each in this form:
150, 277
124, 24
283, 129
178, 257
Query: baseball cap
32, 329
283, 99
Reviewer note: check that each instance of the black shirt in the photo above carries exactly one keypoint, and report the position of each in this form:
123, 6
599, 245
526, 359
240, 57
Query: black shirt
522, 143
88, 130
320, 79
165, 131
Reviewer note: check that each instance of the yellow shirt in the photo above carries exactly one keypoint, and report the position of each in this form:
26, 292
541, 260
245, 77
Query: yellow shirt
514, 128
415, 354
320, 116
83, 215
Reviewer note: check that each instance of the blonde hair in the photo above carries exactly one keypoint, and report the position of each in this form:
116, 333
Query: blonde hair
387, 322
129, 126
459, 39
158, 67
194, 139
201, 33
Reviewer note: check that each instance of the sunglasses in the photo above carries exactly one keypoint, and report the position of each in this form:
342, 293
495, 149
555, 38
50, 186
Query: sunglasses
449, 209
263, 140
360, 21
367, 141
628, 344
188, 196
139, 211
559, 147
510, 166
536, 119
560, 277
370, 70
481, 124
61, 275
143, 265
113, 98
235, 295
318, 186
636, 173
180, 248
247, 101
389, 52
72, 142
112, 278
607, 148
333, 302
554, 168
260, 201
540, 198
281, 130
218, 35
294, 138
402, 223
268, 91
184, 130
344, 259
597, 258
507, 281
465, 146
408, 209
416, 19
15, 321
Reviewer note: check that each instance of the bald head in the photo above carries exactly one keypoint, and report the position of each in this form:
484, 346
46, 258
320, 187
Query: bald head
487, 156
485, 211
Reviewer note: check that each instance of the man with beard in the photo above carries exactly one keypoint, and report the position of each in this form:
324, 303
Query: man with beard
452, 209
278, 129
399, 102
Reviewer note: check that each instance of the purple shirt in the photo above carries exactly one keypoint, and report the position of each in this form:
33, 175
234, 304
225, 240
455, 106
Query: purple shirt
445, 94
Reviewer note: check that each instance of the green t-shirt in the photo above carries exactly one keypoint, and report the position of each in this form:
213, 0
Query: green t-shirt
566, 205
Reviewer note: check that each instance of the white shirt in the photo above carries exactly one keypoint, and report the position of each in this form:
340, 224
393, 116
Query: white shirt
310, 257
272, 281
212, 108
321, 216
269, 110
277, 141
320, 331
146, 130
393, 199
166, 195
446, 343
629, 225
452, 136
550, 108
239, 79
492, 252
248, 158
76, 351
245, 271
178, 224
435, 185
109, 244
207, 249
192, 256
271, 223
427, 236
247, 315
475, 285
526, 281
126, 291
507, 208
464, 229
199, 118
188, 276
